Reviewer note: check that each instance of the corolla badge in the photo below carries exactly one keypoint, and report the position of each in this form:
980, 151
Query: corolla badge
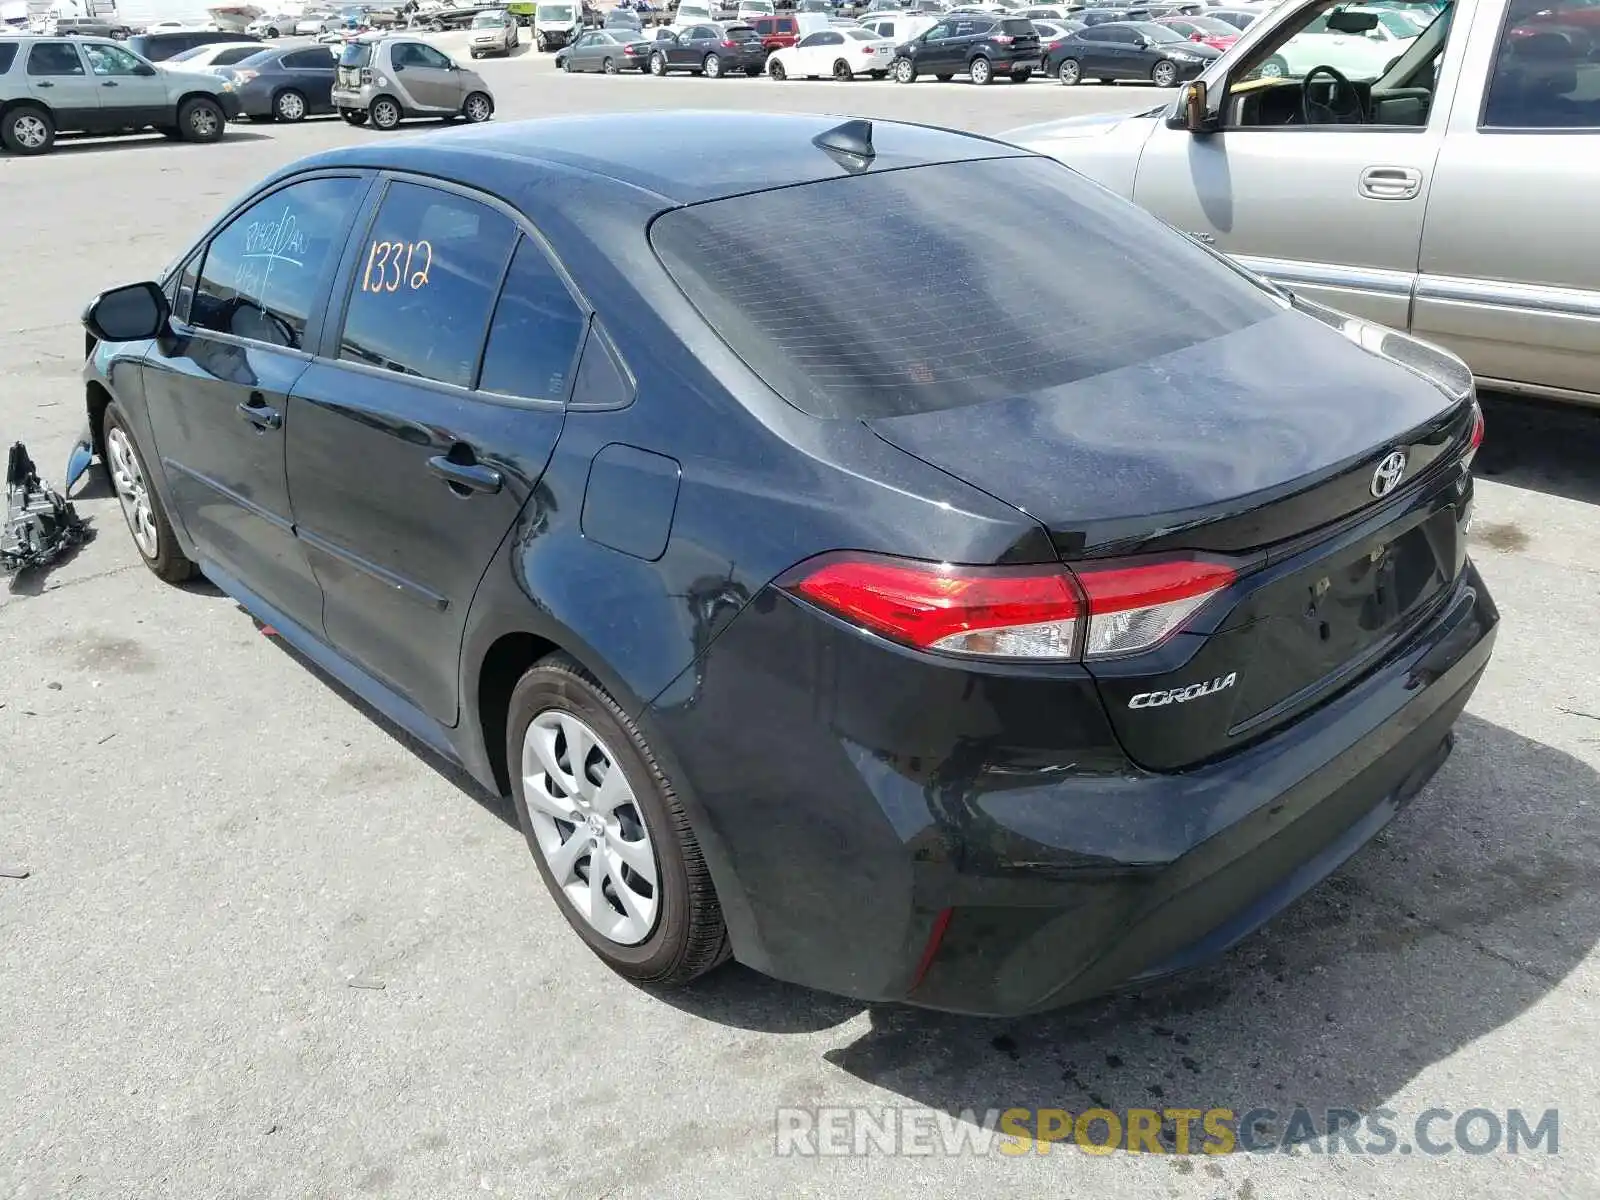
1184, 694
1389, 474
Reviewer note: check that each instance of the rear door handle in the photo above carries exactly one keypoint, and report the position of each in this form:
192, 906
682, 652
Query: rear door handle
1390, 183
255, 411
472, 476
44, 83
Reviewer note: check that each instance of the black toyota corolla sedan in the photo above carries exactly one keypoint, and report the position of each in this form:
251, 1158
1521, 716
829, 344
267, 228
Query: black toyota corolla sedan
934, 621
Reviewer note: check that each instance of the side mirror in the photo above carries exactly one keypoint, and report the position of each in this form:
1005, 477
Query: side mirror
128, 314
1193, 112
144, 69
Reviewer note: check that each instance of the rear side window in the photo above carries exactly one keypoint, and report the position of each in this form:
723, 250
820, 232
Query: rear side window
535, 332
355, 54
1544, 76
309, 60
265, 270
931, 310
8, 55
54, 58
429, 271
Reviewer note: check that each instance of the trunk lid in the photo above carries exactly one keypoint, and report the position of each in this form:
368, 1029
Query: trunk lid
1267, 447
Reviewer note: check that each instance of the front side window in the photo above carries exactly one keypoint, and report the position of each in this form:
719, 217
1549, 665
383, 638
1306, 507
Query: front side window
535, 333
1352, 41
427, 56
265, 270
111, 60
1544, 75
54, 58
426, 283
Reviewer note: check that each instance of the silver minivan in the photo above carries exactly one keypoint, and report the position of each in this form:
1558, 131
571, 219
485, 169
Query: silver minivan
386, 79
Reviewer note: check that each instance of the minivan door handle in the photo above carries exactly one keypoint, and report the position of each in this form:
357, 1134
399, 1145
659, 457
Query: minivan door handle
472, 476
1390, 183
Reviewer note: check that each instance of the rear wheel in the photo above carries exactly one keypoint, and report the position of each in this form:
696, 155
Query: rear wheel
141, 506
658, 64
605, 827
775, 69
842, 71
1069, 72
1164, 74
385, 113
290, 106
904, 71
478, 108
712, 66
272, 31
201, 120
608, 66
980, 71
27, 130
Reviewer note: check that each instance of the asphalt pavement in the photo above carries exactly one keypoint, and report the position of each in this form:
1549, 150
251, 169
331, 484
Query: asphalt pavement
263, 946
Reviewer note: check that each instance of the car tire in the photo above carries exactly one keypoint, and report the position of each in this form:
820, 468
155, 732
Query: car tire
1274, 68
776, 71
658, 65
903, 70
1069, 72
385, 113
271, 32
141, 505
712, 66
842, 72
435, 26
1164, 75
683, 932
608, 66
353, 116
475, 55
27, 129
289, 106
201, 120
980, 71
566, 64
1021, 76
477, 108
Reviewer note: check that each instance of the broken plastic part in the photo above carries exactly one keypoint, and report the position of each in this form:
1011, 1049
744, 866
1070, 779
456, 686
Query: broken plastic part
39, 523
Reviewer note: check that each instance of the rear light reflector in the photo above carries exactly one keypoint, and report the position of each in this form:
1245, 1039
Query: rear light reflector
992, 612
1133, 608
1041, 613
1477, 433
1003, 39
730, 45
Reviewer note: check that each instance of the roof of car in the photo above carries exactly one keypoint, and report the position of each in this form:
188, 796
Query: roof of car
683, 157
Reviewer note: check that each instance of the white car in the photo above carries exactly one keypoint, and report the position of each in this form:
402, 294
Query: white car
749, 10
839, 53
1354, 55
209, 57
313, 24
901, 27
271, 27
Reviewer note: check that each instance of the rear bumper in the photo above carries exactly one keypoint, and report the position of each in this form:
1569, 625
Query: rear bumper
855, 800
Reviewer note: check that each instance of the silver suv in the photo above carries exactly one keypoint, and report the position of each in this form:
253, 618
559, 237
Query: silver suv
92, 85
388, 77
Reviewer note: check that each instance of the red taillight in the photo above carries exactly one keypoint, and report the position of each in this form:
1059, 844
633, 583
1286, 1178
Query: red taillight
869, 49
730, 45
1134, 607
1003, 39
1033, 612
1477, 434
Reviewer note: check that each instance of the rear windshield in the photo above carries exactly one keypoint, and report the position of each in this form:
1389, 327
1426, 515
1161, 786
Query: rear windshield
1017, 25
929, 308
355, 54
861, 35
741, 33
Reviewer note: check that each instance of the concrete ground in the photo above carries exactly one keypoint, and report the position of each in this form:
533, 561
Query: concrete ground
220, 846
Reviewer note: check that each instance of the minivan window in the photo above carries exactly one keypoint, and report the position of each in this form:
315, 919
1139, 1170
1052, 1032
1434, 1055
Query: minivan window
926, 312
425, 284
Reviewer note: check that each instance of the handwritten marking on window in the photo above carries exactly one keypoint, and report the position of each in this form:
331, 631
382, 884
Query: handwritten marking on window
389, 266
268, 243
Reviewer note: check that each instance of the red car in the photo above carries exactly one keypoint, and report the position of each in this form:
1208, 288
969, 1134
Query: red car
777, 32
1208, 31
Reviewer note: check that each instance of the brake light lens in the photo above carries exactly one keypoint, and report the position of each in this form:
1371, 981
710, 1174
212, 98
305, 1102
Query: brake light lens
1003, 39
730, 44
1043, 613
1136, 607
1477, 433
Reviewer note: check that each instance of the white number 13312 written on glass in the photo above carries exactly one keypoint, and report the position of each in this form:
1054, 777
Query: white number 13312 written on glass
390, 266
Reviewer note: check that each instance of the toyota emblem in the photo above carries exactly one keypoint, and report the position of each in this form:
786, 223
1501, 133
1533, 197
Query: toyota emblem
1389, 474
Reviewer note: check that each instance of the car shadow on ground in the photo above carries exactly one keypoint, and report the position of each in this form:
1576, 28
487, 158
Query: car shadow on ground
1472, 906
1544, 447
96, 144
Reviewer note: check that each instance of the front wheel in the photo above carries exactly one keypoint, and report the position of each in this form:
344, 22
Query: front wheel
712, 66
1069, 72
566, 64
607, 831
385, 113
904, 71
272, 32
141, 506
842, 71
201, 120
27, 130
1164, 74
478, 108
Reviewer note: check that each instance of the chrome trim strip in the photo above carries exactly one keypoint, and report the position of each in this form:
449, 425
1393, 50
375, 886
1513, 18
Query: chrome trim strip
230, 495
1528, 297
400, 584
1310, 274
1537, 390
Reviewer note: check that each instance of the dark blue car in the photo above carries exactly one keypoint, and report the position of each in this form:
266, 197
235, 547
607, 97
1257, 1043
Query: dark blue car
935, 621
285, 84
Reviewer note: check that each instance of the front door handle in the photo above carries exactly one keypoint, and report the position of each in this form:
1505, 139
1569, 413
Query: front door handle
474, 477
255, 411
1390, 183
109, 83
